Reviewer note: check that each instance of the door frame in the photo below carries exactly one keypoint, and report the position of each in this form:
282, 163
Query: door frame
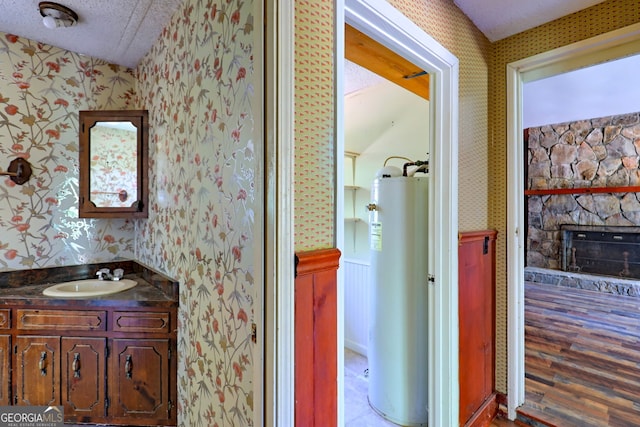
278, 402
602, 48
386, 25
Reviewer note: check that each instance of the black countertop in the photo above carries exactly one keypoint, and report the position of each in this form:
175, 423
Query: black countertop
24, 288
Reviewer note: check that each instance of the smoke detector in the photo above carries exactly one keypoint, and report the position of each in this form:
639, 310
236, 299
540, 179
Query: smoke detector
55, 15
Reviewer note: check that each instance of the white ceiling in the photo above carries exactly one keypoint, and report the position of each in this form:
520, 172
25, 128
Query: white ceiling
118, 31
498, 19
122, 31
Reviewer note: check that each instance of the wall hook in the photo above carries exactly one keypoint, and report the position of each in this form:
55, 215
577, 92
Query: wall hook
19, 171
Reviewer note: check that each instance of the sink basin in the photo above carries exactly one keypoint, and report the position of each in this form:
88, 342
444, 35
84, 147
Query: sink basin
89, 288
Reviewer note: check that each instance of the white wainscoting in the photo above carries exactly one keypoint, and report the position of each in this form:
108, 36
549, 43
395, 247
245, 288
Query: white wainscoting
356, 305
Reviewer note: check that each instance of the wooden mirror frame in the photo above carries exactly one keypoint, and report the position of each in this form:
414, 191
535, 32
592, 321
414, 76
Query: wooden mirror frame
140, 204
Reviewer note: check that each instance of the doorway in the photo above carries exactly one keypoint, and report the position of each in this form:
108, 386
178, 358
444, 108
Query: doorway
380, 21
385, 125
595, 50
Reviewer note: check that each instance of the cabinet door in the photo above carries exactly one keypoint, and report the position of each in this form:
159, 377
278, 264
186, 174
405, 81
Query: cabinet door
83, 377
5, 368
37, 371
139, 379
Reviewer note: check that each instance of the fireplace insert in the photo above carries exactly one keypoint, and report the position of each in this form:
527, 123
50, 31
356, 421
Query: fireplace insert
604, 250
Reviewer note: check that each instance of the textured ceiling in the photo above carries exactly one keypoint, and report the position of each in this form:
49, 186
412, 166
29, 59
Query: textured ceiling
498, 19
357, 77
118, 31
122, 31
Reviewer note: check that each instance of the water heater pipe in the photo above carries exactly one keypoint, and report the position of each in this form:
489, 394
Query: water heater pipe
418, 163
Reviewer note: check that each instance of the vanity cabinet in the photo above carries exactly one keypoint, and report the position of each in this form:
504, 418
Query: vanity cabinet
5, 356
5, 366
106, 366
140, 368
51, 370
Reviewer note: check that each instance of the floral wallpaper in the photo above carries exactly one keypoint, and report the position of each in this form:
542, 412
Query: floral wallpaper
42, 88
114, 165
204, 100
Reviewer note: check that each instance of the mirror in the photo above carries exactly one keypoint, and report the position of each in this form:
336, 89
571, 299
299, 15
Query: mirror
113, 164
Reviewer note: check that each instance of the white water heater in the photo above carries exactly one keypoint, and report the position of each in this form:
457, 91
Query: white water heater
397, 352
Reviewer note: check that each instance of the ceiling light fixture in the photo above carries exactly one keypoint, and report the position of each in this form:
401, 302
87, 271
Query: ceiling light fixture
55, 15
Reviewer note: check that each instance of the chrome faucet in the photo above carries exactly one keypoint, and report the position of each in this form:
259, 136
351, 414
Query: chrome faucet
105, 274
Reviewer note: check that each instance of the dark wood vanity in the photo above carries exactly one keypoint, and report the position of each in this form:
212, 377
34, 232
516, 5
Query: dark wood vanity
107, 360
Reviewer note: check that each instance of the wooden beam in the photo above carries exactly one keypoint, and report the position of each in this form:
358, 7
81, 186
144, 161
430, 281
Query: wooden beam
366, 52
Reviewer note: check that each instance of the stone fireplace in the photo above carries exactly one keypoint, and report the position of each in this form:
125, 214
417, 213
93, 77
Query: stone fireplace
584, 174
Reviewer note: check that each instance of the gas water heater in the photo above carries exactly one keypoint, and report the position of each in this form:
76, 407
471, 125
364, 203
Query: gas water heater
397, 351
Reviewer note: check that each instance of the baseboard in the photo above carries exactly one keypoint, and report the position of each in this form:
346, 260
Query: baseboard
485, 414
524, 418
529, 418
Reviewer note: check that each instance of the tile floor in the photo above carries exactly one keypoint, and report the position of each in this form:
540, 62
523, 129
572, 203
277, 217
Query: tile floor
357, 412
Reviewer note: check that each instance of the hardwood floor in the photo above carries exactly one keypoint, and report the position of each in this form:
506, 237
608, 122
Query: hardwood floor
503, 422
582, 357
582, 361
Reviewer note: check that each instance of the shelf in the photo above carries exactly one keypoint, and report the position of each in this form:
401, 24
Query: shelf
351, 196
588, 190
353, 220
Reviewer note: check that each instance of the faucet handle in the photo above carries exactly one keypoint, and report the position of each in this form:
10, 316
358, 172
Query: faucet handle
118, 273
101, 272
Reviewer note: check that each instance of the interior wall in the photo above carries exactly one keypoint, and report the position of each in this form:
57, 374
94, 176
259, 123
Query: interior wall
315, 141
572, 95
203, 90
43, 88
442, 20
598, 19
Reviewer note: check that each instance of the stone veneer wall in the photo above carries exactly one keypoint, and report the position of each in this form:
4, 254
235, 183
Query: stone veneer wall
601, 152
